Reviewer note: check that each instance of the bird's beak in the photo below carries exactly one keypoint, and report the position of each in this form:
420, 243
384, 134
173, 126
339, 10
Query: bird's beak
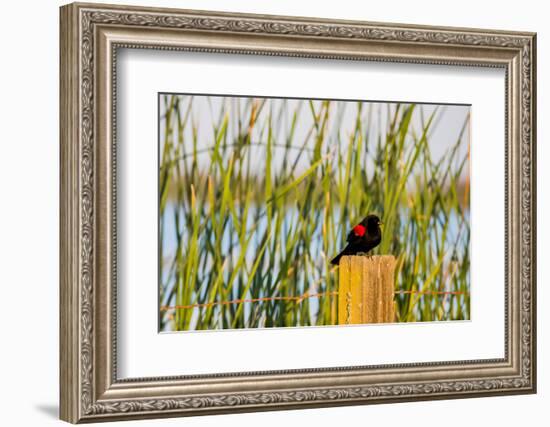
380, 223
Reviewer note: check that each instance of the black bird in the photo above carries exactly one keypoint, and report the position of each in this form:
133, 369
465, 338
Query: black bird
365, 236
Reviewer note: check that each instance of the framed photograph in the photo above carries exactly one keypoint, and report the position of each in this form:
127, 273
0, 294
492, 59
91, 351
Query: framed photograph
267, 212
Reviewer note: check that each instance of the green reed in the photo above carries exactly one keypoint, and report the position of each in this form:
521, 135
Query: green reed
254, 210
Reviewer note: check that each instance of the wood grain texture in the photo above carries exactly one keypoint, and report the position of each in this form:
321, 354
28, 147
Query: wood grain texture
366, 289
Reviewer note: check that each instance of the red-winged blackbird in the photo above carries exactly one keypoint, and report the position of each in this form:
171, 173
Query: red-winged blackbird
365, 236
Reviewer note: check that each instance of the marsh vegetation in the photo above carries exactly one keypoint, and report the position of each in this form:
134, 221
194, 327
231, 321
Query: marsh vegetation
256, 195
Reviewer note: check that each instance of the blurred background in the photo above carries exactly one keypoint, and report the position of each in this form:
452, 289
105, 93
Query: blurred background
256, 195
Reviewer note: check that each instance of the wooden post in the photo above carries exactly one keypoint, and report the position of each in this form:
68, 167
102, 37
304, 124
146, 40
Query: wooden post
366, 289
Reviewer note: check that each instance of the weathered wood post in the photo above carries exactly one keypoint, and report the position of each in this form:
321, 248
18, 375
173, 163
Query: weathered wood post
366, 289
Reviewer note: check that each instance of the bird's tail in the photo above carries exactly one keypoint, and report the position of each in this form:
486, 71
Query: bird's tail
336, 259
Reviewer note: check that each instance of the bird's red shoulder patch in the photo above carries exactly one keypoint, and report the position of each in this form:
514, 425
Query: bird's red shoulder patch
359, 230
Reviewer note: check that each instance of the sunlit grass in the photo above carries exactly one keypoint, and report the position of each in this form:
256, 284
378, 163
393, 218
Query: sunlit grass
257, 212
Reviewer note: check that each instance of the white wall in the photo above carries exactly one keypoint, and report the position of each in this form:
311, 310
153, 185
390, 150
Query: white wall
29, 170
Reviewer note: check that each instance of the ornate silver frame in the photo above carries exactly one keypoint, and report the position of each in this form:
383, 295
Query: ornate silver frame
90, 36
